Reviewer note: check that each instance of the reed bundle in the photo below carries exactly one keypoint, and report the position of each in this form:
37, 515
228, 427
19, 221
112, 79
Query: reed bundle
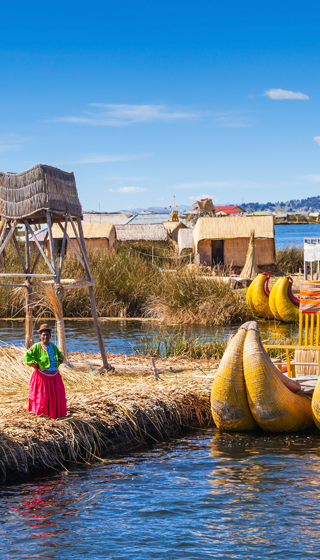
51, 302
250, 269
105, 414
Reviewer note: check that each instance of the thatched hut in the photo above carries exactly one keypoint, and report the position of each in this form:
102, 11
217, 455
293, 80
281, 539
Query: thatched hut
153, 234
226, 240
101, 237
173, 228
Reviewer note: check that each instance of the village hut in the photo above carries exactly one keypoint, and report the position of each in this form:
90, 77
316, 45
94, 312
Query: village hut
226, 241
44, 195
101, 237
153, 234
185, 240
173, 228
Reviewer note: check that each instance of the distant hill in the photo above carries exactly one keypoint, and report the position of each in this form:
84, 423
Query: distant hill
311, 204
158, 209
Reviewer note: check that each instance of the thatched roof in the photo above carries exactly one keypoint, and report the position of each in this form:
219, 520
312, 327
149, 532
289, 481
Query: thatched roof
37, 190
90, 231
233, 228
204, 205
149, 232
171, 227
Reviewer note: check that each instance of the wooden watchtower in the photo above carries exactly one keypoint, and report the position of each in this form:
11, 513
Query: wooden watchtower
40, 195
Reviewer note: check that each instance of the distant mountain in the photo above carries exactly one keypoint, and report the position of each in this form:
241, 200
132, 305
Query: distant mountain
158, 209
311, 204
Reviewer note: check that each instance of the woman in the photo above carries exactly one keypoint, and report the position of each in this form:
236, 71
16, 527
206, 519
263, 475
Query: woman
47, 393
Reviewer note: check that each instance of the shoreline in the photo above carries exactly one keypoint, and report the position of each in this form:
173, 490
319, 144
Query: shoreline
107, 414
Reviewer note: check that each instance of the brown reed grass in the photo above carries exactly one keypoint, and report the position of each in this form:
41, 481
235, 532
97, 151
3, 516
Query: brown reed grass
106, 414
189, 297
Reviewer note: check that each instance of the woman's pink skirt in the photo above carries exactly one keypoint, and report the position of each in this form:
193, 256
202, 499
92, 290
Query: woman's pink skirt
47, 395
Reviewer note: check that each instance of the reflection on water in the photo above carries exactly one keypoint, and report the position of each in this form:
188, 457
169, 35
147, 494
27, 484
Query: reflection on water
121, 336
212, 495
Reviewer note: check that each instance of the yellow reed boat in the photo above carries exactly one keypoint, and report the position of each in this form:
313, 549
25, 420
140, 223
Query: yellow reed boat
229, 404
283, 304
258, 295
274, 406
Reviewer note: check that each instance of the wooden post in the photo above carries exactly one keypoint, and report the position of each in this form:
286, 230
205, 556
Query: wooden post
155, 373
29, 341
91, 295
62, 343
152, 253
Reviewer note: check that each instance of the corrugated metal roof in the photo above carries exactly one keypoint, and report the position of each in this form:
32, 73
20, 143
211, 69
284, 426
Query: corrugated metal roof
147, 218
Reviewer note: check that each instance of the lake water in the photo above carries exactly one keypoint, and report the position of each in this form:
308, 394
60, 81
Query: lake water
125, 336
122, 336
206, 496
294, 234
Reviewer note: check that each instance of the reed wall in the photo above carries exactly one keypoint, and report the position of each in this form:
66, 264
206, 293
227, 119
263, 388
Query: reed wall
235, 251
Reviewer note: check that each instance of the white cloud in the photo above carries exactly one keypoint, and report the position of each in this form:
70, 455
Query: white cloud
203, 185
109, 114
280, 94
107, 158
11, 143
128, 190
313, 178
316, 139
200, 196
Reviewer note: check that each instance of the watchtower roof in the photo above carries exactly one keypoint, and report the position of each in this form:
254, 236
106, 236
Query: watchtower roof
32, 193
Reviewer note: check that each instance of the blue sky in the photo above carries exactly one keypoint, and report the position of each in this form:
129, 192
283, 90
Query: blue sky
146, 100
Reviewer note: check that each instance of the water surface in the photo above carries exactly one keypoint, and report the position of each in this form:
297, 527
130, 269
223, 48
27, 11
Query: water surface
294, 234
206, 496
126, 336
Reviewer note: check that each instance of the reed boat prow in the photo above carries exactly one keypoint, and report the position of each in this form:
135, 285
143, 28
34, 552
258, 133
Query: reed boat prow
258, 295
229, 403
273, 405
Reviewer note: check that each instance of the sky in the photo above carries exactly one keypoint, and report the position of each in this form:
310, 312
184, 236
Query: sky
146, 100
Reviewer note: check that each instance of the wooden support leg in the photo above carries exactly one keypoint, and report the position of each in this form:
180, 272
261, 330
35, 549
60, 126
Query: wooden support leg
92, 299
62, 342
98, 329
29, 322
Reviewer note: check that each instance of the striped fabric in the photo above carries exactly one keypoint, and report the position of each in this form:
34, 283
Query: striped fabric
310, 297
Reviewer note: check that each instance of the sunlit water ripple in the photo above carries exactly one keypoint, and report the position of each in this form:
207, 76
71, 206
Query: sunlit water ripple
206, 496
